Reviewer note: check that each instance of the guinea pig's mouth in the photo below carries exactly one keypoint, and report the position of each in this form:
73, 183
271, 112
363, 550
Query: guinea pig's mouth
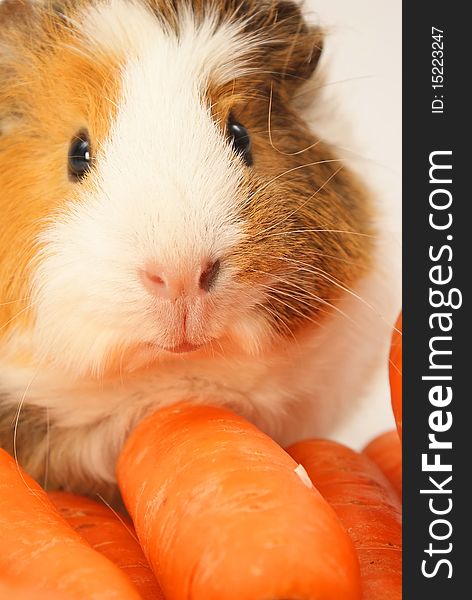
183, 348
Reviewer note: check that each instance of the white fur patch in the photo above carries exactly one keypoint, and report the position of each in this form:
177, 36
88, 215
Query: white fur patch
207, 48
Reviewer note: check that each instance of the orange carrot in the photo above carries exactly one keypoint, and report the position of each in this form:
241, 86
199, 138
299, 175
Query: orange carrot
386, 452
16, 591
39, 549
111, 535
395, 372
221, 512
367, 506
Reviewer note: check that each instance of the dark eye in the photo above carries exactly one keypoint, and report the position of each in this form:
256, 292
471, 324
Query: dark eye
241, 140
80, 156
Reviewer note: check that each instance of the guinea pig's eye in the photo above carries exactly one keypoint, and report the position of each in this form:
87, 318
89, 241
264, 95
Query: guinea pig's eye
80, 156
241, 140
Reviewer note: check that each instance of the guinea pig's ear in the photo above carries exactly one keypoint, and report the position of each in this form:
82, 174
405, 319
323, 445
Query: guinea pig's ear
294, 47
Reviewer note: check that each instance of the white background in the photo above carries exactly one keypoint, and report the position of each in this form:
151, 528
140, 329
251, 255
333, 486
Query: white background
362, 57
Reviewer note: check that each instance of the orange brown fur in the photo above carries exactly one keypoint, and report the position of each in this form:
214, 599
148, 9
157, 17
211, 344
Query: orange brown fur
49, 89
305, 207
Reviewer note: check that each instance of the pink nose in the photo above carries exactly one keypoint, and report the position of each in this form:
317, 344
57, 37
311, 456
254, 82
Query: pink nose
165, 283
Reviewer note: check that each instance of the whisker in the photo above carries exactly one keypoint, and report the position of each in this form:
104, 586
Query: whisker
294, 297
269, 130
111, 102
278, 319
347, 232
264, 231
354, 153
219, 353
46, 463
13, 301
323, 255
332, 279
310, 90
118, 516
329, 304
306, 317
15, 429
18, 314
302, 299
298, 168
293, 308
394, 366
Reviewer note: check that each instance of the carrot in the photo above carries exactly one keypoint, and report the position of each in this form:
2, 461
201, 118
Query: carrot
16, 591
39, 549
366, 505
111, 535
386, 452
222, 513
395, 373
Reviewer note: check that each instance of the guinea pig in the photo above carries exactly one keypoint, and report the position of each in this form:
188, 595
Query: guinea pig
171, 228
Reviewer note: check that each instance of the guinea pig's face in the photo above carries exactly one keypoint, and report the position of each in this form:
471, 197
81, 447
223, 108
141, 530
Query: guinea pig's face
163, 190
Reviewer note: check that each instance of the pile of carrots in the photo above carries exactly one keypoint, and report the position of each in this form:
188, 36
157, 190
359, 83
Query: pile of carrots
218, 511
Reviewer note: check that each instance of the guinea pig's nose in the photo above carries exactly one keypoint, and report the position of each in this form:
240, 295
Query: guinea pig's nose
164, 283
